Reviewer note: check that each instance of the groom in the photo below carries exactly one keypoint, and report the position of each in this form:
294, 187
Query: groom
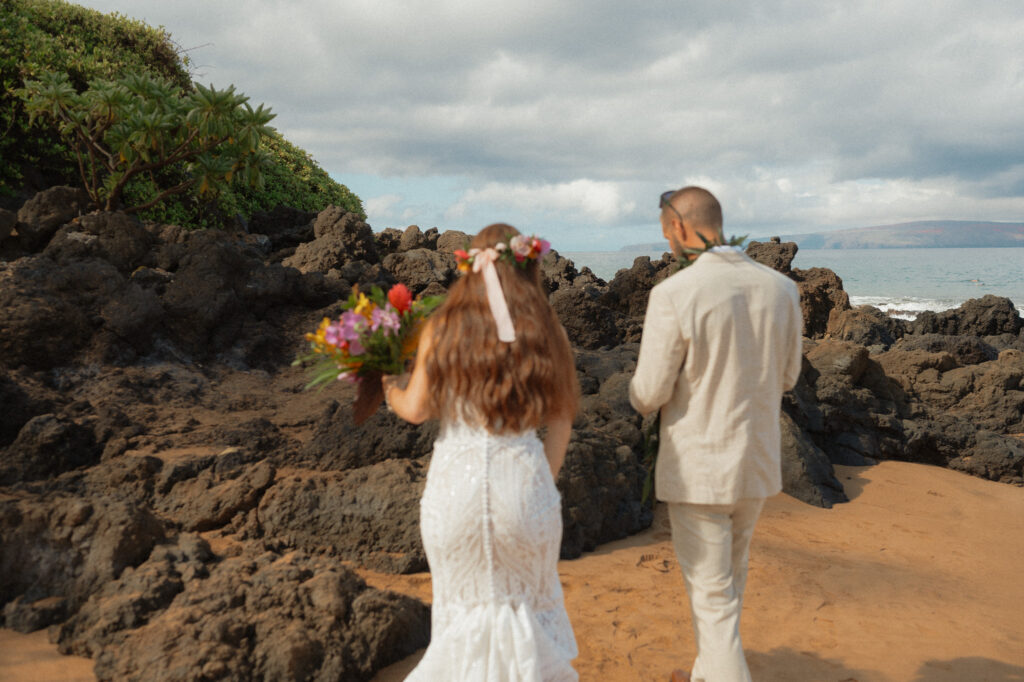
721, 343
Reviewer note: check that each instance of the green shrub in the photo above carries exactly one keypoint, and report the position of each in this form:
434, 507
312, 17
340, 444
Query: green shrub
293, 178
39, 36
137, 126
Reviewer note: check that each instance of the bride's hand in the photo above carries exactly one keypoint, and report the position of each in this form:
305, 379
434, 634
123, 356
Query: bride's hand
390, 382
408, 395
395, 381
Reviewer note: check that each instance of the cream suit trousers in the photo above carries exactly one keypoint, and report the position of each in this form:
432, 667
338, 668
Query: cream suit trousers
712, 543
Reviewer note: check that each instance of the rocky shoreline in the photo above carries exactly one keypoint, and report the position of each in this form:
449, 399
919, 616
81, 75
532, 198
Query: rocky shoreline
175, 506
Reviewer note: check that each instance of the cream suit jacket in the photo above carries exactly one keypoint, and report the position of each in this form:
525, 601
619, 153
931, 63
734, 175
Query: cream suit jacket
721, 343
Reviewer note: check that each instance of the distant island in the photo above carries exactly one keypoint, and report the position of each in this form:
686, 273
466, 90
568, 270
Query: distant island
921, 234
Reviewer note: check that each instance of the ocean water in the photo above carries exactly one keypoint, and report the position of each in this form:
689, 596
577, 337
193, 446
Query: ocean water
606, 263
901, 282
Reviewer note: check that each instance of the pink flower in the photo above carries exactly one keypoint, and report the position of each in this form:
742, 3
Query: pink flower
520, 245
333, 335
386, 318
352, 325
528, 247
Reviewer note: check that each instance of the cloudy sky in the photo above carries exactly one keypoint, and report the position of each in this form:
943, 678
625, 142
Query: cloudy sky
569, 117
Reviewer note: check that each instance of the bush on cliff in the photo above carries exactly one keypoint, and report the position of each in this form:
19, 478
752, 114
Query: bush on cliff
291, 178
143, 128
39, 36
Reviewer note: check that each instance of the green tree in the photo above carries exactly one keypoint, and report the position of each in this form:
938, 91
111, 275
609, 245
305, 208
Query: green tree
37, 36
41, 36
140, 125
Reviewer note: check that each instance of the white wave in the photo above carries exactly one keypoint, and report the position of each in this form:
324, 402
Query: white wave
908, 307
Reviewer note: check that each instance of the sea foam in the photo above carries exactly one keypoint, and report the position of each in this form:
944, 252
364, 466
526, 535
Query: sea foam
908, 307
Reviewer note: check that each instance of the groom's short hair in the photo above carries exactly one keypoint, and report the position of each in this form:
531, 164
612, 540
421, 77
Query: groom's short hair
699, 207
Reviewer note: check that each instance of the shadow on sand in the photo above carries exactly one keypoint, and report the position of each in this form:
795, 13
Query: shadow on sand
786, 665
853, 479
396, 672
974, 668
659, 531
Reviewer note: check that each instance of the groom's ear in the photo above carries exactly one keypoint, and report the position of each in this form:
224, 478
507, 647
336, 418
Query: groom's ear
680, 228
675, 230
669, 227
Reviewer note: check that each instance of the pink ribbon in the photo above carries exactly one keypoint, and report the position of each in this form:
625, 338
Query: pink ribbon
483, 261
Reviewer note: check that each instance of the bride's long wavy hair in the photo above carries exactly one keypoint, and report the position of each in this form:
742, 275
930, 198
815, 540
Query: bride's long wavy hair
510, 387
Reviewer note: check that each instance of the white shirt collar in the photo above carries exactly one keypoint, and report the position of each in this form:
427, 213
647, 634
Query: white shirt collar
725, 249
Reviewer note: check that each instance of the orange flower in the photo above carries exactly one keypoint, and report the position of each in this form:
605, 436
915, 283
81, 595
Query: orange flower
462, 260
400, 297
412, 341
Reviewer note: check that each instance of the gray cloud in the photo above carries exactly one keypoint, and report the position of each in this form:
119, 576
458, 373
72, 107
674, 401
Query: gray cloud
800, 111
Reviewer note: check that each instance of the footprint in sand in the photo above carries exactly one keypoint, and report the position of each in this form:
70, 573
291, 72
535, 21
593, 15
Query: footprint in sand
655, 562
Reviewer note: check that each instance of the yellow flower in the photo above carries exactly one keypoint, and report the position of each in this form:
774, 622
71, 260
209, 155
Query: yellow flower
364, 306
319, 338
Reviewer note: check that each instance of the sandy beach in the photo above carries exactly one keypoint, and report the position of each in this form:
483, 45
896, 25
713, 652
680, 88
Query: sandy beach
916, 579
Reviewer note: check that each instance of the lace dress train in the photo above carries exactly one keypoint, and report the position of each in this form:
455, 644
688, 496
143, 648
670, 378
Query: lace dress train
491, 522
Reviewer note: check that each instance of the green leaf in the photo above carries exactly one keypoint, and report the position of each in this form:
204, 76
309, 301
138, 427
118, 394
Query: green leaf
76, 49
684, 263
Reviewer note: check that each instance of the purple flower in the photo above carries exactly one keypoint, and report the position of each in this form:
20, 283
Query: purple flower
352, 325
349, 328
333, 335
385, 318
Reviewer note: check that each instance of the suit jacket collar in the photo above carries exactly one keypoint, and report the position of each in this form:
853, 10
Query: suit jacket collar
730, 256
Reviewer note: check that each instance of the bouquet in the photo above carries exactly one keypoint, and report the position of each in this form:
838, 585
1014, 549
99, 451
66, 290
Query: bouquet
376, 334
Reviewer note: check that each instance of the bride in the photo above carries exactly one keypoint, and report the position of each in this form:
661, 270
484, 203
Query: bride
494, 365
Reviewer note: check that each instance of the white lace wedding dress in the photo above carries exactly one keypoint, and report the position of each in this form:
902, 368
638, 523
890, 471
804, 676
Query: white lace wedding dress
491, 522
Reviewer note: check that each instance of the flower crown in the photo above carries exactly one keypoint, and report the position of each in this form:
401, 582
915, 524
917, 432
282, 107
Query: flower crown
518, 251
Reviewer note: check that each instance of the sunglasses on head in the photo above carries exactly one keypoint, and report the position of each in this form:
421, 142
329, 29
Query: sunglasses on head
666, 201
